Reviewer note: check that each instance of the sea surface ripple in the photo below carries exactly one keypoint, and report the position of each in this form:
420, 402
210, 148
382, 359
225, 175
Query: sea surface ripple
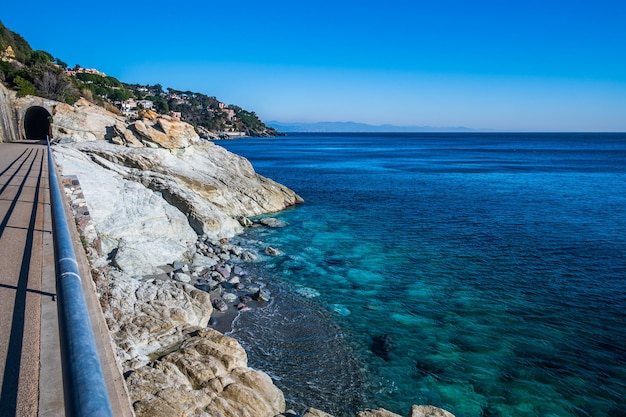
493, 264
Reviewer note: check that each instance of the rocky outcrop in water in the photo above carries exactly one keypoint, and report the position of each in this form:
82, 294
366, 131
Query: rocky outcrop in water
416, 411
428, 411
314, 412
208, 376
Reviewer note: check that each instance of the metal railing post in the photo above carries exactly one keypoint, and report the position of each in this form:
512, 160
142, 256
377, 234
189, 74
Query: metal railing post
84, 387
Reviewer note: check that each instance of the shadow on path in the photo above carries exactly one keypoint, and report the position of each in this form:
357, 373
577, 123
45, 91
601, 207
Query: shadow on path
10, 381
4, 187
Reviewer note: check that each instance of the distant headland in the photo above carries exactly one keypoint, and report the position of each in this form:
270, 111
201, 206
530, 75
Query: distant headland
353, 127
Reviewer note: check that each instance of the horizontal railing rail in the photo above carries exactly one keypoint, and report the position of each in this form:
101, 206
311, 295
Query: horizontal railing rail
84, 386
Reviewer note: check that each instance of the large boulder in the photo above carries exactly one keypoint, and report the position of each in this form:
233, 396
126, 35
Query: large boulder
146, 317
380, 412
207, 376
84, 121
314, 412
165, 131
416, 411
428, 411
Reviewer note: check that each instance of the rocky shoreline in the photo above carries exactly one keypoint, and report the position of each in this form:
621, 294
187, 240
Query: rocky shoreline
156, 207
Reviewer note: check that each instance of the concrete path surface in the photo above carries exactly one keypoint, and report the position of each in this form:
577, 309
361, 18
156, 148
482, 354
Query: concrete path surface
23, 195
30, 365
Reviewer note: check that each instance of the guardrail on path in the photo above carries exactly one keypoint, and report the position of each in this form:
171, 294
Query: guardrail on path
84, 386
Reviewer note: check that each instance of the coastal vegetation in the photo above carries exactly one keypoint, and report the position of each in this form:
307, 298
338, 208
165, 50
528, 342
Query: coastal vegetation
200, 110
36, 72
33, 72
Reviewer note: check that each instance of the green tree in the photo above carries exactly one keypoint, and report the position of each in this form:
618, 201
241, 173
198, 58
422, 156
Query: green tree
112, 81
60, 63
89, 78
39, 57
24, 87
160, 104
120, 94
7, 70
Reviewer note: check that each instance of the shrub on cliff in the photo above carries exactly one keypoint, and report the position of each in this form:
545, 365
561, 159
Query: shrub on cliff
52, 83
23, 87
38, 58
108, 88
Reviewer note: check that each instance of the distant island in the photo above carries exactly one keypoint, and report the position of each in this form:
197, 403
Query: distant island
352, 127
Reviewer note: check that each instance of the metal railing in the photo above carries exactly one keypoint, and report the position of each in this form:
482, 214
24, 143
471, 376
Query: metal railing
84, 387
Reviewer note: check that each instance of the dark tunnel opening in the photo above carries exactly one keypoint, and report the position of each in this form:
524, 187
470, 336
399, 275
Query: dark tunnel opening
37, 123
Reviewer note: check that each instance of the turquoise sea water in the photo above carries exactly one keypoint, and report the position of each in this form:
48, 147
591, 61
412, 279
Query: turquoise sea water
493, 264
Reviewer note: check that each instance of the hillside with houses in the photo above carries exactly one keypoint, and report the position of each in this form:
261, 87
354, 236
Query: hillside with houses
211, 117
206, 113
37, 73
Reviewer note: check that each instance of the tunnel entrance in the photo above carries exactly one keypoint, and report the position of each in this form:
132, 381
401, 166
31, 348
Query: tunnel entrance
37, 123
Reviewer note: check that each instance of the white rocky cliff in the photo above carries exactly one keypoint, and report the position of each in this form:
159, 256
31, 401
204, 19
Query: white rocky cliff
167, 195
147, 203
8, 119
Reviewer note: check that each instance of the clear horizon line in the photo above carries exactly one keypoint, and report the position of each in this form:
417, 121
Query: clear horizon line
437, 129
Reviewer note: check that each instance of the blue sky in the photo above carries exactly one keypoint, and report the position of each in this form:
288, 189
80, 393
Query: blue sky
531, 65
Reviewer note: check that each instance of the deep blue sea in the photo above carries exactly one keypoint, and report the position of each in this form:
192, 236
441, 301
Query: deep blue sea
484, 273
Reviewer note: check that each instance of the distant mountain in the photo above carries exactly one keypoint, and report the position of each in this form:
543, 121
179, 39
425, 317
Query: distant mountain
341, 127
